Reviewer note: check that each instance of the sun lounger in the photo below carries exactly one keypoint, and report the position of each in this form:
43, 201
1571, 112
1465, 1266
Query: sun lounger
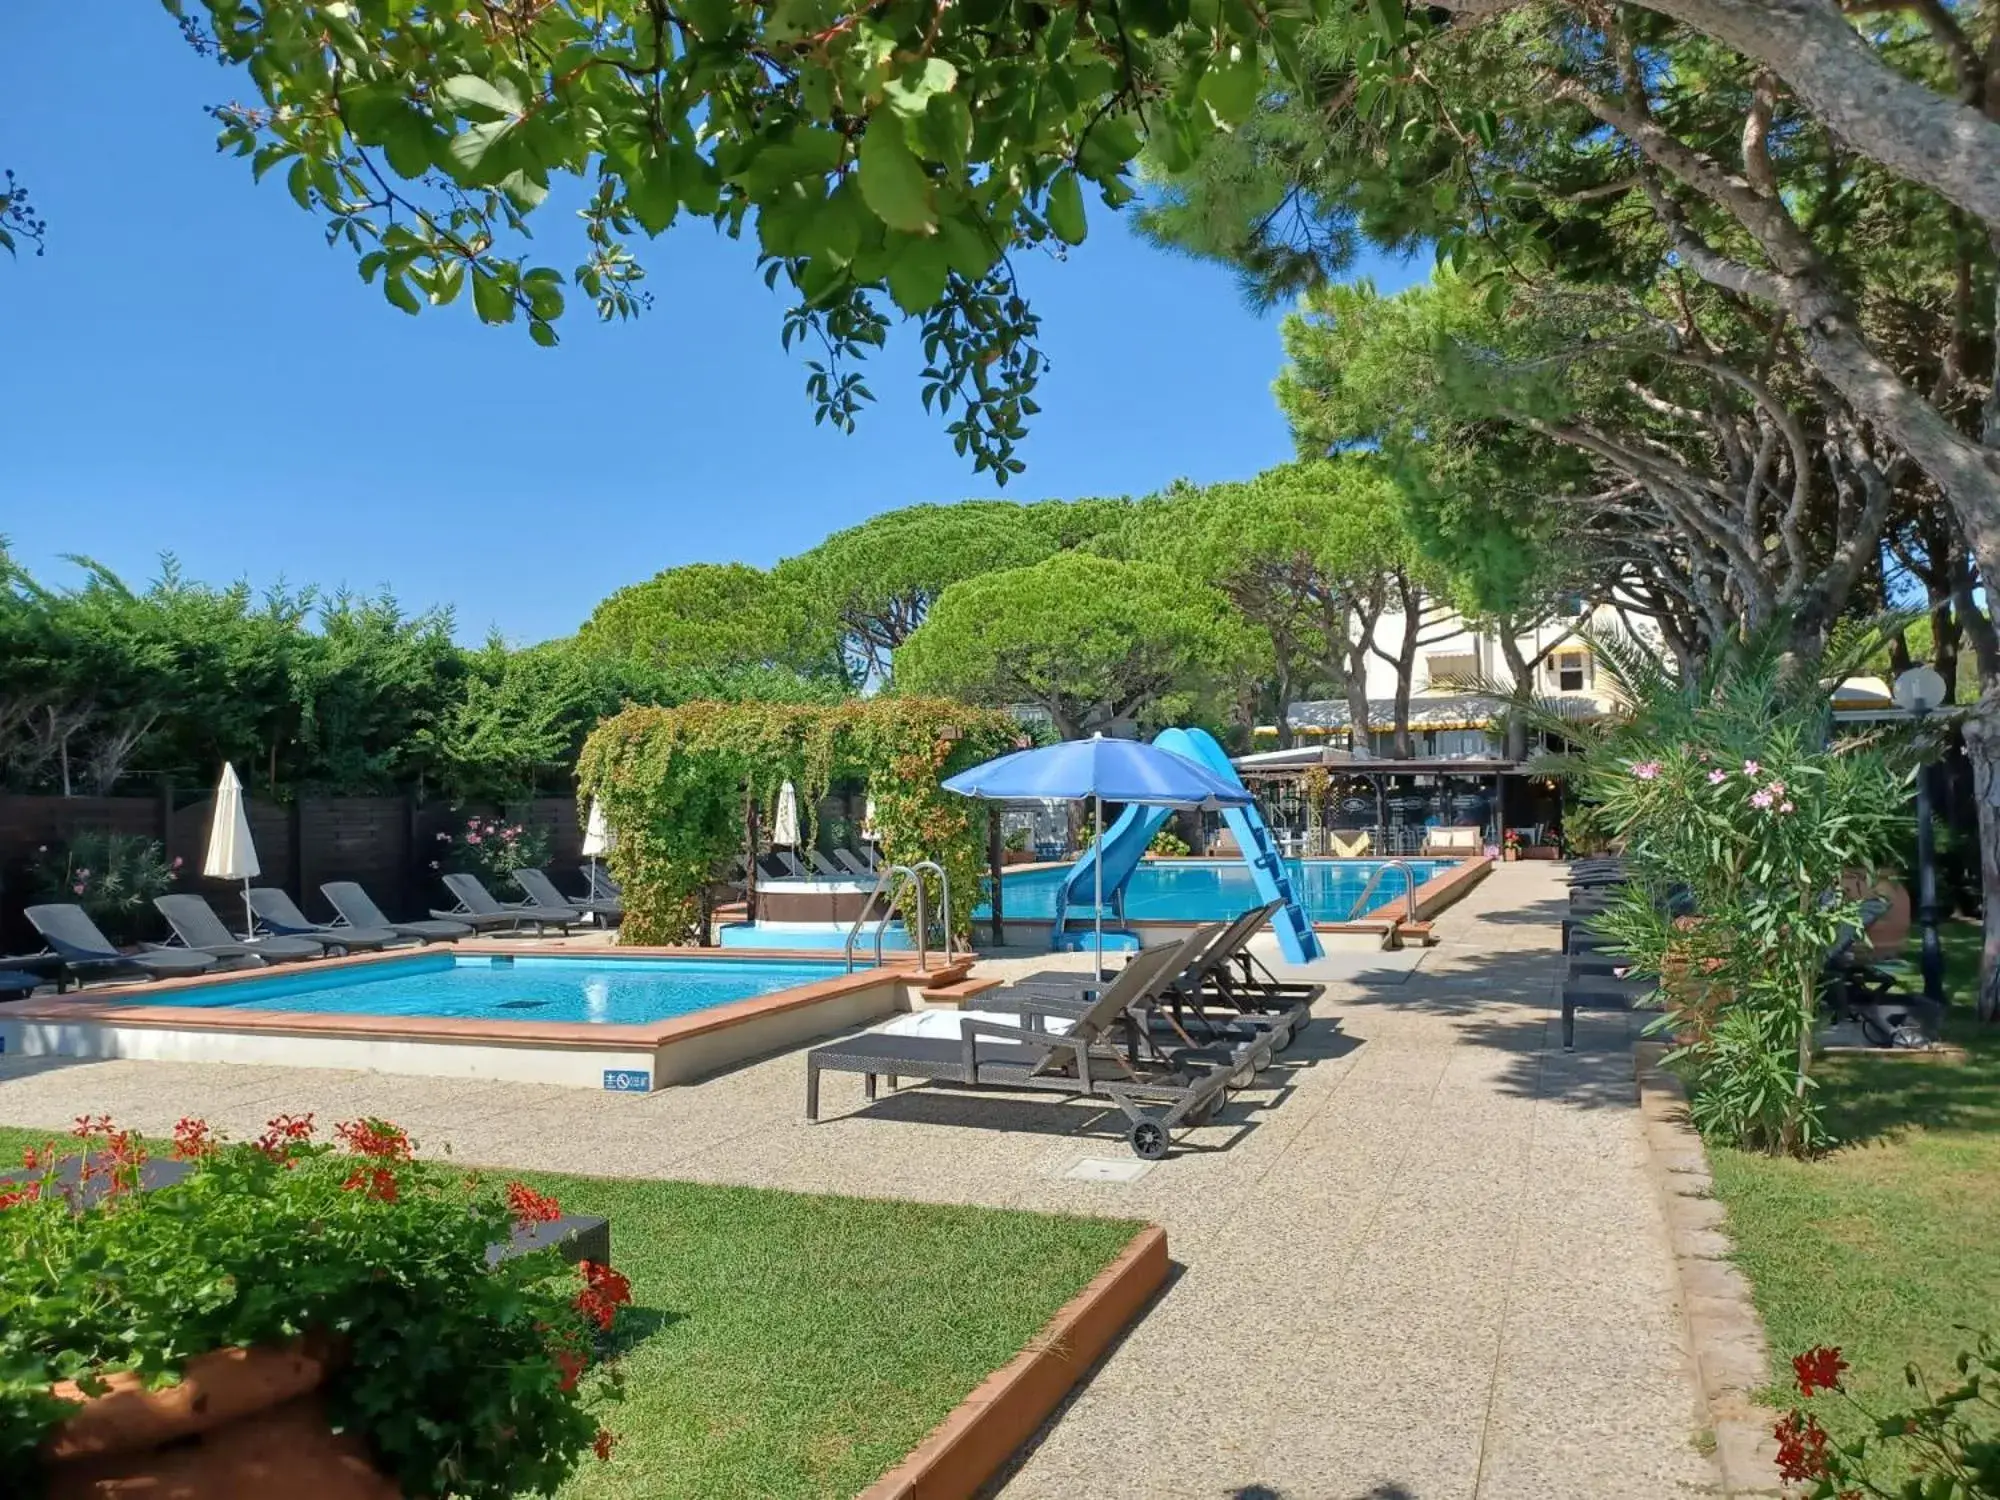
87, 953
196, 926
821, 865
485, 911
853, 863
543, 893
357, 908
17, 984
780, 864
1077, 1062
597, 880
277, 914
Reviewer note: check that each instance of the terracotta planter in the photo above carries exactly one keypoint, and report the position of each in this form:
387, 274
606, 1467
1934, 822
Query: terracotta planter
243, 1424
1017, 856
1540, 851
1510, 855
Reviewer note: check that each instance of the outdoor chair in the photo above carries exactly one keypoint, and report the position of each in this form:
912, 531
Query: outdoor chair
542, 891
278, 915
821, 865
853, 863
356, 908
88, 954
597, 880
196, 926
17, 984
1463, 841
1218, 968
486, 912
990, 1055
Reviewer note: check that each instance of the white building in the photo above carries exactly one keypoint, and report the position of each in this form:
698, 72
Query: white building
1447, 720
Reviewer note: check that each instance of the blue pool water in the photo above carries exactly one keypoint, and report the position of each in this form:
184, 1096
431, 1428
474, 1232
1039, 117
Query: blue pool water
828, 937
607, 991
1212, 890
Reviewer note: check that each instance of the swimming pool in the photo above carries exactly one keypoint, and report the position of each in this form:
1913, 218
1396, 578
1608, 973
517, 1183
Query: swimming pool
1211, 890
629, 1022
496, 987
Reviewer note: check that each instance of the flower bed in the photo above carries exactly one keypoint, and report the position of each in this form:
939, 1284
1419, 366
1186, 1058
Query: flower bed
349, 1257
791, 1345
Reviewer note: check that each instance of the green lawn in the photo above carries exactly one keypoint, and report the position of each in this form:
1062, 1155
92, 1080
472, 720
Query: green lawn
789, 1345
1889, 1243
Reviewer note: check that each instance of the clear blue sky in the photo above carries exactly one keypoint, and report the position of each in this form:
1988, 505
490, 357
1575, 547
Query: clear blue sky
190, 369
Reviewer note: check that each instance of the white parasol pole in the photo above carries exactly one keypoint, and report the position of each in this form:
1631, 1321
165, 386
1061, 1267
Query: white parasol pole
1097, 876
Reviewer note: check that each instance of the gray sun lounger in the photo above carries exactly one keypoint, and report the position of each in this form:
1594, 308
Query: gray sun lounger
484, 911
357, 908
821, 865
197, 927
86, 953
597, 880
278, 915
1078, 1062
543, 893
853, 863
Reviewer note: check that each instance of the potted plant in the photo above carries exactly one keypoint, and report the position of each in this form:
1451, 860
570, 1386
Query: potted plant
1016, 851
1168, 845
322, 1307
1510, 845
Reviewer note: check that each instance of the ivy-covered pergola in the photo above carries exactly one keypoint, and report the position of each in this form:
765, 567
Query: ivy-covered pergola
681, 785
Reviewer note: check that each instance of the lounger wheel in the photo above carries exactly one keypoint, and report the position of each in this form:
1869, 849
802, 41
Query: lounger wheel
1283, 1039
1149, 1140
1207, 1112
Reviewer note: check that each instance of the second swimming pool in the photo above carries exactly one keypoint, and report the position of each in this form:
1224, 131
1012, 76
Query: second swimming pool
1211, 890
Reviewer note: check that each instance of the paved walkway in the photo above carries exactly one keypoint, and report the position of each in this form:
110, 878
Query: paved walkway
1425, 1262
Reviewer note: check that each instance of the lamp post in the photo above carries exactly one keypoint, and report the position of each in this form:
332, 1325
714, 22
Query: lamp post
1921, 691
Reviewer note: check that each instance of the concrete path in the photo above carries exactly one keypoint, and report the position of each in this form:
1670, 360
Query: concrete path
1425, 1261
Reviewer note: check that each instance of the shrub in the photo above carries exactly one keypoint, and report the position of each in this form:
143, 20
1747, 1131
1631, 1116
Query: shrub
1167, 842
465, 1380
493, 848
1734, 802
112, 876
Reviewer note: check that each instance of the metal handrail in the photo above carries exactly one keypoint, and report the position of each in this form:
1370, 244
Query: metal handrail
897, 879
1409, 889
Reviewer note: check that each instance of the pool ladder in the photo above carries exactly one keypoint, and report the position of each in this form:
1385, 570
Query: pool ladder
892, 883
1409, 890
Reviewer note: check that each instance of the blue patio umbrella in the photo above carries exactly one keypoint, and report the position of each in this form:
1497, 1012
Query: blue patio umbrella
1100, 769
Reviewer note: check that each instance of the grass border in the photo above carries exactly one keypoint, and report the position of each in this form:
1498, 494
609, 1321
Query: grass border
1005, 1409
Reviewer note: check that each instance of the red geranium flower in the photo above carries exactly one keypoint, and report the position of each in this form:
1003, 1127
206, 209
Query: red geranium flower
1801, 1448
377, 1182
27, 1192
604, 1292
376, 1138
193, 1139
530, 1207
1818, 1369
572, 1365
603, 1443
284, 1131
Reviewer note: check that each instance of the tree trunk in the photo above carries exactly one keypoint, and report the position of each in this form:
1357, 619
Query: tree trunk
1523, 677
1982, 748
1907, 126
1357, 701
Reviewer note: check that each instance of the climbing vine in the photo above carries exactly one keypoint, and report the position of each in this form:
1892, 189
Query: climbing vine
676, 784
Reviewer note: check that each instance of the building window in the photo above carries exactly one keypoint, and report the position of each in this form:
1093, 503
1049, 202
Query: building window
1455, 669
1572, 671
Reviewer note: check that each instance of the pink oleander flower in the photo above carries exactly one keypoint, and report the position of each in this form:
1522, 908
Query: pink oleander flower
1777, 789
1761, 799
1751, 768
1717, 777
178, 862
83, 874
1647, 770
1785, 807
472, 838
78, 887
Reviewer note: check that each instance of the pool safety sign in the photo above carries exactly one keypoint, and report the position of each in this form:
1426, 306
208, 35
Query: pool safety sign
628, 1081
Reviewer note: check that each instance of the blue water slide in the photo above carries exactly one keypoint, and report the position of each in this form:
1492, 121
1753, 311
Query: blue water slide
1124, 841
1127, 838
1261, 853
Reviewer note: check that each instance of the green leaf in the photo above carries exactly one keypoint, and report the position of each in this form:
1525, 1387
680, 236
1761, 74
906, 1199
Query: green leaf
491, 299
472, 146
298, 182
651, 193
893, 181
469, 90
399, 294
910, 94
947, 131
543, 334
1065, 208
918, 274
1231, 88
969, 248
1388, 18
